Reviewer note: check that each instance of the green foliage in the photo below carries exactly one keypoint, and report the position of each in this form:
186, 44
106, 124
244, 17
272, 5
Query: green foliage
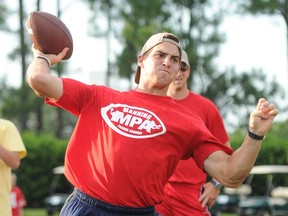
132, 22
274, 151
139, 24
35, 173
263, 7
234, 93
18, 103
274, 148
3, 16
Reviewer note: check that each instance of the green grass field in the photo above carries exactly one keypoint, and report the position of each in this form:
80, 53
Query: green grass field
42, 212
36, 212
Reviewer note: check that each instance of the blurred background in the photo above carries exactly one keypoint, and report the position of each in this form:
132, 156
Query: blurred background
237, 51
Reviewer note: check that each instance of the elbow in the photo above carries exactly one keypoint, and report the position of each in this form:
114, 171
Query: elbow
35, 82
234, 184
234, 181
15, 165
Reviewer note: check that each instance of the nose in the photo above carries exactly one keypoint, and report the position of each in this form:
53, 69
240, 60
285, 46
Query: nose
179, 73
167, 61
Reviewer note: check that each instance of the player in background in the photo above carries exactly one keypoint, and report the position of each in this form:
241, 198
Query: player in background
186, 192
18, 201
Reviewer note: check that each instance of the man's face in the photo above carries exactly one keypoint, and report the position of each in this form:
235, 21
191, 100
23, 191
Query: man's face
161, 64
181, 79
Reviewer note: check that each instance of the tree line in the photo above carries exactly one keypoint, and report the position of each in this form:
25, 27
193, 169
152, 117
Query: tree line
131, 23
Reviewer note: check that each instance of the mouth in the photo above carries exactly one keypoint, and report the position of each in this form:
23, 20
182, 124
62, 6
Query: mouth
165, 70
178, 78
177, 81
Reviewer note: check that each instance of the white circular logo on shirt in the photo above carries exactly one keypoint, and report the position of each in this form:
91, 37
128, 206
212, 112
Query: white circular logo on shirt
134, 122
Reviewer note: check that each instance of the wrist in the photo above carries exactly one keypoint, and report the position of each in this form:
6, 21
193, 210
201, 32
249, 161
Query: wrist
255, 136
216, 184
44, 58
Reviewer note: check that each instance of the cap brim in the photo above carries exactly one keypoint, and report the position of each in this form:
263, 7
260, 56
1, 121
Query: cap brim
137, 75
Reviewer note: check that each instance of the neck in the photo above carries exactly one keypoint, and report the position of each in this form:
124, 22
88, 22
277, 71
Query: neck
178, 93
153, 91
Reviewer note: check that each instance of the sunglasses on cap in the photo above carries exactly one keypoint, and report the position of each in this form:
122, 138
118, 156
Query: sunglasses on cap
184, 67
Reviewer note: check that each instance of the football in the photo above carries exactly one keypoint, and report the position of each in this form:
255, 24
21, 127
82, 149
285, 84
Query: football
49, 34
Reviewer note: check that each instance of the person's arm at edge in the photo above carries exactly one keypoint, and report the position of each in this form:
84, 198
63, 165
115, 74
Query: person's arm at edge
10, 158
232, 170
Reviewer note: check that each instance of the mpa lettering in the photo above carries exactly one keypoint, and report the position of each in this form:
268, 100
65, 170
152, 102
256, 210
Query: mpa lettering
125, 118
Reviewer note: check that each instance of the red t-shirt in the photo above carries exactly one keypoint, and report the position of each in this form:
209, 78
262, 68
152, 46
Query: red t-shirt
182, 192
17, 200
126, 145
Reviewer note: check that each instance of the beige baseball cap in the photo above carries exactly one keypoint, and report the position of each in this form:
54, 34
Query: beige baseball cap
152, 42
184, 58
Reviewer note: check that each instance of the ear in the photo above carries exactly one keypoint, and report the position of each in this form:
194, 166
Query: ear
140, 61
188, 72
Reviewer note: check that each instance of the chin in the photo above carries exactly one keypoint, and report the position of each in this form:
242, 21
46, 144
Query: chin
177, 85
177, 82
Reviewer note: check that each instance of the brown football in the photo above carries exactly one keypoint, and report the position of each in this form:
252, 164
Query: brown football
49, 34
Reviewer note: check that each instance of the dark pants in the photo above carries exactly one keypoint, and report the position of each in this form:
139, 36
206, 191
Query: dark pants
80, 204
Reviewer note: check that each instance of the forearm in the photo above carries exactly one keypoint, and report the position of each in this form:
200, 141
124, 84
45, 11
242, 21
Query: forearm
39, 77
241, 162
10, 158
232, 170
37, 74
42, 81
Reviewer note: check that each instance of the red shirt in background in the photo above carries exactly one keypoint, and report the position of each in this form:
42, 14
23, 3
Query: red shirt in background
182, 192
18, 200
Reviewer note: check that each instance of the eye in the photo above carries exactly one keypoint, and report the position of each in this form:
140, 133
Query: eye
176, 59
159, 54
